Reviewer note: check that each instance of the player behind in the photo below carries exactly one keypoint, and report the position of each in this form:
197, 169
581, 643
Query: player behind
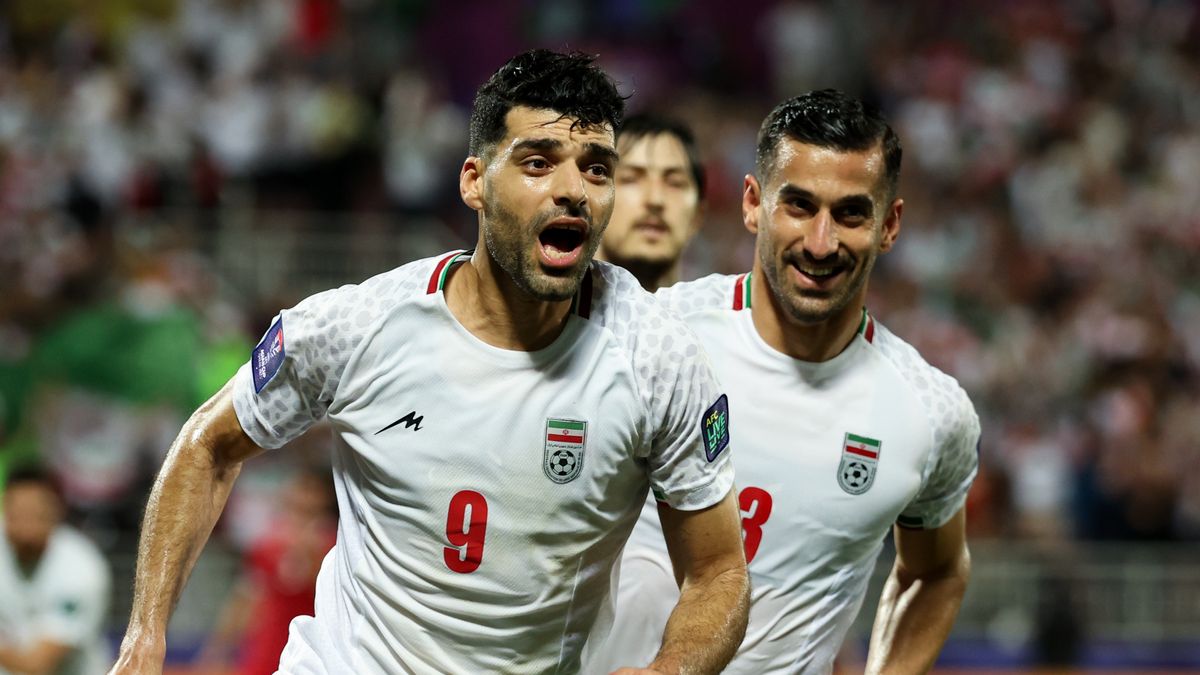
660, 189
278, 582
844, 431
54, 584
498, 416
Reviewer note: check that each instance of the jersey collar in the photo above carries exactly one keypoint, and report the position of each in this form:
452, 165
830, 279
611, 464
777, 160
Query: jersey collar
742, 297
741, 292
581, 304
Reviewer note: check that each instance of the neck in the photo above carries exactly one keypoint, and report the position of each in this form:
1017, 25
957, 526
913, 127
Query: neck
28, 558
814, 342
484, 299
652, 275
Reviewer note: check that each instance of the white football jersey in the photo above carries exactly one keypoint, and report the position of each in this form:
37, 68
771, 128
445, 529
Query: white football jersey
65, 600
485, 494
830, 456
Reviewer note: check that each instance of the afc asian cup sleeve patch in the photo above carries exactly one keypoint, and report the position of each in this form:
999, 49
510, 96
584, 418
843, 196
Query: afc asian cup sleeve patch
714, 428
267, 356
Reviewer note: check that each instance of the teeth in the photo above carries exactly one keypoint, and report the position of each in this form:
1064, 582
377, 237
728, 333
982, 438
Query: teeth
817, 271
553, 252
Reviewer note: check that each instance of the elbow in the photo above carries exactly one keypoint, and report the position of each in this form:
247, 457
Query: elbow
962, 573
952, 574
740, 616
744, 607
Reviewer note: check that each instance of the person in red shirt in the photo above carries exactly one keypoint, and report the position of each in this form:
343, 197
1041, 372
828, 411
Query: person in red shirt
279, 580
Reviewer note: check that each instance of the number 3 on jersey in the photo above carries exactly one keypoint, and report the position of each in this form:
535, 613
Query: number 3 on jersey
755, 504
466, 527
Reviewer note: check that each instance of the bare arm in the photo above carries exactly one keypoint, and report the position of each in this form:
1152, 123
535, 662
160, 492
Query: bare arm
188, 497
42, 657
708, 623
921, 598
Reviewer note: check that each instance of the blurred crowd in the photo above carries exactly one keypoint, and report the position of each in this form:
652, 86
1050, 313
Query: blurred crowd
1051, 160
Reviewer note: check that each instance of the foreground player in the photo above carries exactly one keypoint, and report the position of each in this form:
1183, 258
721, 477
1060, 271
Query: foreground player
660, 188
498, 416
843, 430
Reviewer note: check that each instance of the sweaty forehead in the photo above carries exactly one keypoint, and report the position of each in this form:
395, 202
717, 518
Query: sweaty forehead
812, 167
525, 124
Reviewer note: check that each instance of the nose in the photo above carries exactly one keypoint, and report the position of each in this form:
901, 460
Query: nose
569, 189
654, 194
820, 236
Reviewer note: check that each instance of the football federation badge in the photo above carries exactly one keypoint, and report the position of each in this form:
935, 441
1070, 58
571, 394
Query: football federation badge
563, 458
860, 457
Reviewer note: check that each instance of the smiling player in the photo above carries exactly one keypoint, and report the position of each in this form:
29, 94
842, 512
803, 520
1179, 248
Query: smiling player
844, 432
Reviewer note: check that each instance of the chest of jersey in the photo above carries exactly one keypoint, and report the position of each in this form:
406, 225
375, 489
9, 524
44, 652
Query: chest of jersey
477, 459
828, 454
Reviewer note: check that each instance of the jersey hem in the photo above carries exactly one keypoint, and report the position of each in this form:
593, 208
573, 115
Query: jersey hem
704, 495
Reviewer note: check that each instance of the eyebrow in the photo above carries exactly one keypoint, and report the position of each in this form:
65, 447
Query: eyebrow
602, 152
596, 150
644, 168
790, 191
537, 145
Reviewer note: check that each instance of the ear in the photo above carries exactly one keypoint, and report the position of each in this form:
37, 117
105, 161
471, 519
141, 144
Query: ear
751, 200
470, 182
891, 225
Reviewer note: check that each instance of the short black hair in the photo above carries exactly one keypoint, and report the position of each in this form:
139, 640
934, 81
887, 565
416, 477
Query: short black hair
36, 474
569, 84
828, 118
644, 125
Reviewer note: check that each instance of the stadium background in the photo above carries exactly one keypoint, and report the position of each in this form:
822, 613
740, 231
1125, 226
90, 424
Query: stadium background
174, 171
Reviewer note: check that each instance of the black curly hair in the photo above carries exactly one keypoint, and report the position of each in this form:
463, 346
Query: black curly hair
569, 84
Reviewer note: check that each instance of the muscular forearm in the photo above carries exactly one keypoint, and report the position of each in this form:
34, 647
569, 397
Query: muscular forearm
184, 505
914, 618
706, 626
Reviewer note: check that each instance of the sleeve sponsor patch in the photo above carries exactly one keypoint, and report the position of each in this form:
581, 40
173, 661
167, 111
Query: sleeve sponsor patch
714, 428
267, 357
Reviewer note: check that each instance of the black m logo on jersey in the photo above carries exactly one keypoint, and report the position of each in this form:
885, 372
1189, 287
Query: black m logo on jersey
411, 420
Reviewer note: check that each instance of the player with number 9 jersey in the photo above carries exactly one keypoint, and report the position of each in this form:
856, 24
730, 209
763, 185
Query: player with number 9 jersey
485, 494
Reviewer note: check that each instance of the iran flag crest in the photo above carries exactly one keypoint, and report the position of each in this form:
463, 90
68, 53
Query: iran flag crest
860, 457
563, 457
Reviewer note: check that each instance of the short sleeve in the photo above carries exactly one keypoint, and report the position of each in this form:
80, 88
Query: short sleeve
293, 372
956, 462
689, 454
76, 608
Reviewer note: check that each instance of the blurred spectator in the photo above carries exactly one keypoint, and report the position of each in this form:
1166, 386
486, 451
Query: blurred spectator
279, 578
54, 582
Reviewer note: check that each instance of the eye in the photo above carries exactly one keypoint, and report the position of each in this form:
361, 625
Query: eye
800, 206
853, 215
599, 170
537, 164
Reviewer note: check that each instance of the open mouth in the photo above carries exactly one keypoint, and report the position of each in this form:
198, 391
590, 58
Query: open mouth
561, 243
